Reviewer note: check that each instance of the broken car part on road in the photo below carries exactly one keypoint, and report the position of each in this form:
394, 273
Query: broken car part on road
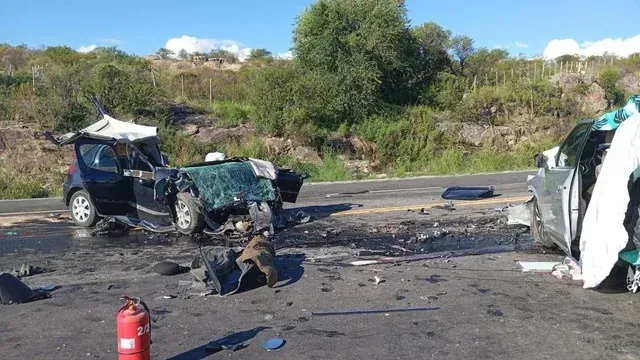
14, 291
229, 273
372, 311
122, 176
468, 192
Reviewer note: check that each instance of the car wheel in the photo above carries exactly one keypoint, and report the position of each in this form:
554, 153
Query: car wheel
537, 226
189, 220
81, 208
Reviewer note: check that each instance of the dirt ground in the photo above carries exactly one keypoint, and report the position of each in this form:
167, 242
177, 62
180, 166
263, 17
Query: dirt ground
482, 305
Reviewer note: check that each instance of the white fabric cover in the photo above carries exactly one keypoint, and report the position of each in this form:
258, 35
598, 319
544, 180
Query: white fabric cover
214, 156
109, 127
603, 233
264, 169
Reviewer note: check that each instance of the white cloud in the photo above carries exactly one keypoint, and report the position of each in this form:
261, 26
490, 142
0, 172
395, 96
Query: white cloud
619, 47
193, 44
285, 55
112, 41
87, 48
521, 45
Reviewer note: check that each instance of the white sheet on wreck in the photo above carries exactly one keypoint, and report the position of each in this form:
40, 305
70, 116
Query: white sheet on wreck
603, 234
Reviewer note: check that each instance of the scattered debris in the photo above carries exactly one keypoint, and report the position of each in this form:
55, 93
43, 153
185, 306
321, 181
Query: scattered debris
449, 206
373, 311
370, 253
537, 266
167, 297
14, 291
203, 293
494, 310
27, 270
436, 255
273, 344
346, 194
48, 287
468, 192
168, 268
12, 233
54, 215
108, 226
268, 317
398, 247
299, 217
521, 214
378, 280
568, 269
423, 211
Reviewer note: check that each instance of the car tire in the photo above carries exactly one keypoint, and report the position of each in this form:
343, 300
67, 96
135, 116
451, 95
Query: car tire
82, 210
188, 220
537, 225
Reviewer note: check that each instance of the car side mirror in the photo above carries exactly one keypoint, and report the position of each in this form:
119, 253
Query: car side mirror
539, 160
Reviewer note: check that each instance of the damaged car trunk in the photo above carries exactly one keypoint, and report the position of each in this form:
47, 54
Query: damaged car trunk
121, 174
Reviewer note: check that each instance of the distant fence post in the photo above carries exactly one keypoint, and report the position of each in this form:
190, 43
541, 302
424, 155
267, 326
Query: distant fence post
210, 95
543, 69
496, 78
182, 85
475, 80
504, 78
153, 77
511, 73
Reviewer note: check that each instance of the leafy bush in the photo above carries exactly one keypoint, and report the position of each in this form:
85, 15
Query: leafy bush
608, 78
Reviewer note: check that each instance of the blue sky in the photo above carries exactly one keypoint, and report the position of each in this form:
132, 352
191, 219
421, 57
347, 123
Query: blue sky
142, 26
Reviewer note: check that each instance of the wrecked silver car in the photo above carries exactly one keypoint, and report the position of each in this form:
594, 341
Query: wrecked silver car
586, 197
120, 174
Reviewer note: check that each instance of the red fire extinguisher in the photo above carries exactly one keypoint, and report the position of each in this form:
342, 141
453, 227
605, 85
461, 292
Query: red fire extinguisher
133, 330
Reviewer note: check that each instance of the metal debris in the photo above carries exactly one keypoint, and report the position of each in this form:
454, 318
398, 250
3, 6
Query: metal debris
273, 344
373, 311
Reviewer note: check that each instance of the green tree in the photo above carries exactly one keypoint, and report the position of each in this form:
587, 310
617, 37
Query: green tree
433, 43
608, 78
462, 47
567, 58
228, 57
484, 61
164, 53
183, 54
260, 55
359, 54
433, 37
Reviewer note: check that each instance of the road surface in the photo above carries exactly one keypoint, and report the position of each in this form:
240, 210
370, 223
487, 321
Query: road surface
413, 192
482, 306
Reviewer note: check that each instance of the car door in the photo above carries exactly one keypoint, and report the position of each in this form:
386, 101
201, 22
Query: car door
102, 176
559, 188
143, 201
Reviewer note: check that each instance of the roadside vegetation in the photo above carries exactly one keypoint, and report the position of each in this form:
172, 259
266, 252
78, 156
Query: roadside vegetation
424, 100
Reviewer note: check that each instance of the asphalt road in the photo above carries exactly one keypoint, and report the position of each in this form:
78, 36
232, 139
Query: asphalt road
482, 306
411, 192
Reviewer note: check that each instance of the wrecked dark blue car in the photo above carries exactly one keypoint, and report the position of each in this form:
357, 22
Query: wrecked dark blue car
121, 174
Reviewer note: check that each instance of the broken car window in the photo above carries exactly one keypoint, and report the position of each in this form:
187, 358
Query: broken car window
99, 157
567, 156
